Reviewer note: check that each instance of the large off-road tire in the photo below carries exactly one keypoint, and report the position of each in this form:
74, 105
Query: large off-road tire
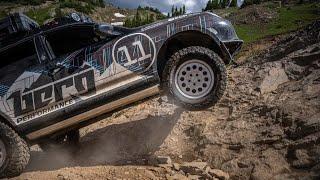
14, 152
195, 77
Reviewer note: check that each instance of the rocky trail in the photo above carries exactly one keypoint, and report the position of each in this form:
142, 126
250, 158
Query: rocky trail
267, 126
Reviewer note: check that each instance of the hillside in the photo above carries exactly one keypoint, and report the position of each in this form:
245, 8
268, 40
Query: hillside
268, 19
51, 9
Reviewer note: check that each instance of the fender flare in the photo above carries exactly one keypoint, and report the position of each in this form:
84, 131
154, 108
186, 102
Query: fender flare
227, 57
226, 54
7, 120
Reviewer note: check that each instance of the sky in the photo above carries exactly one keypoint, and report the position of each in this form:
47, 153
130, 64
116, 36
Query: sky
163, 5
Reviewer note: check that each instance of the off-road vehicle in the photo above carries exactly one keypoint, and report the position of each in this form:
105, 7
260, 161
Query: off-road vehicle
58, 77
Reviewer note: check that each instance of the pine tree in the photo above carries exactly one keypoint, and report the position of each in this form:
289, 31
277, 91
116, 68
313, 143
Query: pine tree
207, 8
233, 3
176, 11
184, 9
223, 3
172, 11
128, 22
216, 4
152, 18
213, 4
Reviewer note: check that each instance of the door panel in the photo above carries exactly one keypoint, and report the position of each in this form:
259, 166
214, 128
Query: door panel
19, 80
91, 77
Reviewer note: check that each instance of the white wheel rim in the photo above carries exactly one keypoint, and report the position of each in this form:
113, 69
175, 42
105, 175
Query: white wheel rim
3, 153
194, 79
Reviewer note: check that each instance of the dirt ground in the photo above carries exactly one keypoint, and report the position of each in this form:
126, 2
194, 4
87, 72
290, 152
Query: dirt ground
267, 126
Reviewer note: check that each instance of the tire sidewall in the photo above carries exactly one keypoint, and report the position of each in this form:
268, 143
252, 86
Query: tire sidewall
6, 140
215, 63
18, 152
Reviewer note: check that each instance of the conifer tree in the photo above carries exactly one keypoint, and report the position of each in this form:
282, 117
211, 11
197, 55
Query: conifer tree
172, 11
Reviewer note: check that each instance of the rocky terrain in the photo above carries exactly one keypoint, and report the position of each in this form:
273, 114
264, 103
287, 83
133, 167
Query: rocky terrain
267, 126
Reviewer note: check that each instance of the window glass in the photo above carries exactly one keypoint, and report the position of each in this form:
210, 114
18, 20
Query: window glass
17, 59
20, 52
68, 40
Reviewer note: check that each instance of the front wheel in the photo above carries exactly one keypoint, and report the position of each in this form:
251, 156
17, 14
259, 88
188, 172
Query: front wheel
14, 152
195, 77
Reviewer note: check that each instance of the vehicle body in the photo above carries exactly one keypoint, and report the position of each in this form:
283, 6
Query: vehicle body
59, 77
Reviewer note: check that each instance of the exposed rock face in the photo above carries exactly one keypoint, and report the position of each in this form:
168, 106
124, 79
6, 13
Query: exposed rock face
273, 79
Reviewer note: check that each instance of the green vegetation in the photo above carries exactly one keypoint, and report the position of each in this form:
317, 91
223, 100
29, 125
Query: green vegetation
147, 8
147, 15
43, 14
40, 15
221, 4
93, 3
143, 16
216, 4
25, 2
250, 2
84, 6
2, 14
177, 12
156, 11
288, 19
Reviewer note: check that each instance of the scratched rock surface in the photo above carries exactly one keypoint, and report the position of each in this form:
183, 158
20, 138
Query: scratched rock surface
266, 126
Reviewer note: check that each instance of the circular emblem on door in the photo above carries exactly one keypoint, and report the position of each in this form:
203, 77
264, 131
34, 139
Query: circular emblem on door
136, 52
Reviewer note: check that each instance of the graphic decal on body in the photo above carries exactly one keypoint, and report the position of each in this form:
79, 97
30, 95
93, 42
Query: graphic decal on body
135, 56
35, 93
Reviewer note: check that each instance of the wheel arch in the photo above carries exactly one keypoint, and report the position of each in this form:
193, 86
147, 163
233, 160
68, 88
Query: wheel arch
186, 39
4, 119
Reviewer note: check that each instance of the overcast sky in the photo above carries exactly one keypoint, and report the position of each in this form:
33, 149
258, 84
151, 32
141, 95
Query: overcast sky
163, 5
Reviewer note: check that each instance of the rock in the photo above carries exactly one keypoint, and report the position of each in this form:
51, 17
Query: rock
164, 160
235, 146
306, 127
176, 177
152, 160
194, 177
303, 159
275, 77
219, 174
176, 166
62, 177
283, 177
194, 168
310, 55
261, 172
166, 167
150, 174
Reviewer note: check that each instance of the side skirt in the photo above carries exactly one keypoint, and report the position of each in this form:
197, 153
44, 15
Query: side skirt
94, 113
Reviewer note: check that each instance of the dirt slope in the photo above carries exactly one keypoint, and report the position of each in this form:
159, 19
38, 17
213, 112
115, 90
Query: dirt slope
267, 126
